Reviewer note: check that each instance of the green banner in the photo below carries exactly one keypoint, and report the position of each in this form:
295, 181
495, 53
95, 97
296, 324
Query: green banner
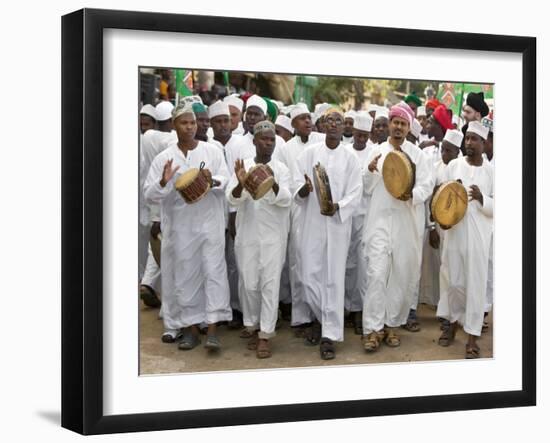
453, 95
184, 82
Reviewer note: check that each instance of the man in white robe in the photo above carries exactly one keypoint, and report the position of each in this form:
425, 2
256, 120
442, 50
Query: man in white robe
347, 136
433, 238
356, 266
324, 240
236, 113
260, 245
293, 292
393, 238
194, 276
465, 254
488, 153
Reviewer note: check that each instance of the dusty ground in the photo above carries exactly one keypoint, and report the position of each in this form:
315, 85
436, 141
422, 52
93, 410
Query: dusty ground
289, 351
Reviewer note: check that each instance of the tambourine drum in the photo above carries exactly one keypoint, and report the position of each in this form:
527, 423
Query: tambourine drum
398, 174
258, 181
155, 247
449, 203
322, 188
192, 185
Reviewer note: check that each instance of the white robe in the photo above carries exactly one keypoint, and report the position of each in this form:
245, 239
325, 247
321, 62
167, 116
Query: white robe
194, 276
465, 254
260, 248
291, 290
490, 299
356, 264
151, 143
392, 237
431, 258
324, 241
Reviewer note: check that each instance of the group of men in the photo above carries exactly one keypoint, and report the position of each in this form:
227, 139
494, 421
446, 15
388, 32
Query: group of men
367, 260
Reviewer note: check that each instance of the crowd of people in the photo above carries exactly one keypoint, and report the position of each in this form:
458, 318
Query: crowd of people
366, 261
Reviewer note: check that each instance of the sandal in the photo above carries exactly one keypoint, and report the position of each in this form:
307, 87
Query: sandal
371, 342
313, 336
472, 351
327, 349
245, 333
212, 343
170, 336
252, 344
412, 325
149, 297
262, 350
189, 341
447, 336
392, 339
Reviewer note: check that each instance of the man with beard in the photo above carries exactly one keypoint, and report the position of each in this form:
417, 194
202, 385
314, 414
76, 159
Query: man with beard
465, 254
291, 295
473, 110
393, 237
324, 240
194, 276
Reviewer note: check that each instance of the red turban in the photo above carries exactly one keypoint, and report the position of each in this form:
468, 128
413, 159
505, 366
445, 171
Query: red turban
433, 103
443, 117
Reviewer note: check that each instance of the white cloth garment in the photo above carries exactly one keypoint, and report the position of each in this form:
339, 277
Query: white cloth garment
356, 264
260, 248
291, 281
239, 130
431, 258
347, 140
465, 254
194, 276
324, 240
393, 244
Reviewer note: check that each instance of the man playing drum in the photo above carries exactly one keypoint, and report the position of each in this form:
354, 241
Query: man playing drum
324, 241
194, 276
465, 254
393, 235
262, 232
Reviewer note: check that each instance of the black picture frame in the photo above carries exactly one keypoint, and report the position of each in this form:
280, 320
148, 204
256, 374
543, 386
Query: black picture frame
82, 219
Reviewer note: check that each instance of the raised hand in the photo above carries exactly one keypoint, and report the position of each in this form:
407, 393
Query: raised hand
168, 173
240, 172
373, 165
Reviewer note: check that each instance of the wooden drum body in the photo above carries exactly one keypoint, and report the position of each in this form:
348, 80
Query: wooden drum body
398, 174
192, 185
449, 203
322, 188
259, 181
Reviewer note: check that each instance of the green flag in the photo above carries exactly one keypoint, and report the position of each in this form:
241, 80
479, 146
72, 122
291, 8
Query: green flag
184, 82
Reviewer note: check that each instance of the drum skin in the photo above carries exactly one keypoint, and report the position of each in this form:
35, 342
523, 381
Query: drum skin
449, 203
398, 174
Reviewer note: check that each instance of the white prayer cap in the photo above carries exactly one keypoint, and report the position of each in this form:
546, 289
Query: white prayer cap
256, 100
164, 111
416, 128
233, 100
350, 114
297, 110
363, 122
372, 108
285, 122
218, 108
149, 110
477, 128
314, 117
454, 137
382, 111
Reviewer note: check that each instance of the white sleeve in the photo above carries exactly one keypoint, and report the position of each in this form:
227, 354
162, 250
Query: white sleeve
424, 182
354, 189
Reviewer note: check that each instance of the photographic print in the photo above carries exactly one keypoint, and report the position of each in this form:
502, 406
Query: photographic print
299, 220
